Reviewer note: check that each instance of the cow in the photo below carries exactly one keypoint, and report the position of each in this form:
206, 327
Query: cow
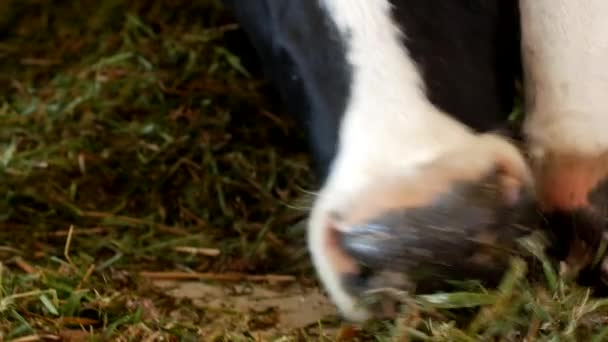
406, 105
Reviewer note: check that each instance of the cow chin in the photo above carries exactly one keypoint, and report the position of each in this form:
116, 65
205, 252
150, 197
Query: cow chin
455, 218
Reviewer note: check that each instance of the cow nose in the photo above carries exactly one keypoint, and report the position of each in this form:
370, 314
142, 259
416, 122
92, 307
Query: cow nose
468, 233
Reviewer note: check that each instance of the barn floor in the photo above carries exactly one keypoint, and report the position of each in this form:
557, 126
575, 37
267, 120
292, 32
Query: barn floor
153, 191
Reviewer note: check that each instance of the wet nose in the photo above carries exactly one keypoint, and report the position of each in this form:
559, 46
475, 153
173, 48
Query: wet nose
468, 233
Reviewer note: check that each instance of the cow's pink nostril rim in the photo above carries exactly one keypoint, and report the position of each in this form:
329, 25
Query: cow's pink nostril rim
340, 260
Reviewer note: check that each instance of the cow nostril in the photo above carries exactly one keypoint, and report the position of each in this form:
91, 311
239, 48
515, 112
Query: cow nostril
365, 242
372, 247
379, 244
359, 282
364, 245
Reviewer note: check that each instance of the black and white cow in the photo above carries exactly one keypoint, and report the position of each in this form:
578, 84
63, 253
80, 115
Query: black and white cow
403, 102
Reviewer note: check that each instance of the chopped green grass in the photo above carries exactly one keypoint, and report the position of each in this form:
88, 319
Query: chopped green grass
133, 125
133, 138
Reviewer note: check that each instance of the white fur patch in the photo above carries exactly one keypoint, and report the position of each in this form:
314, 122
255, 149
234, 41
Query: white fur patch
565, 55
389, 129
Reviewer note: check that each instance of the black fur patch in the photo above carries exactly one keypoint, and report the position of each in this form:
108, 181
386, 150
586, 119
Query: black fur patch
468, 54
303, 54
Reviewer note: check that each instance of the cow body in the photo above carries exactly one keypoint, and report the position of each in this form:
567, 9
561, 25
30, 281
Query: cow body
401, 101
